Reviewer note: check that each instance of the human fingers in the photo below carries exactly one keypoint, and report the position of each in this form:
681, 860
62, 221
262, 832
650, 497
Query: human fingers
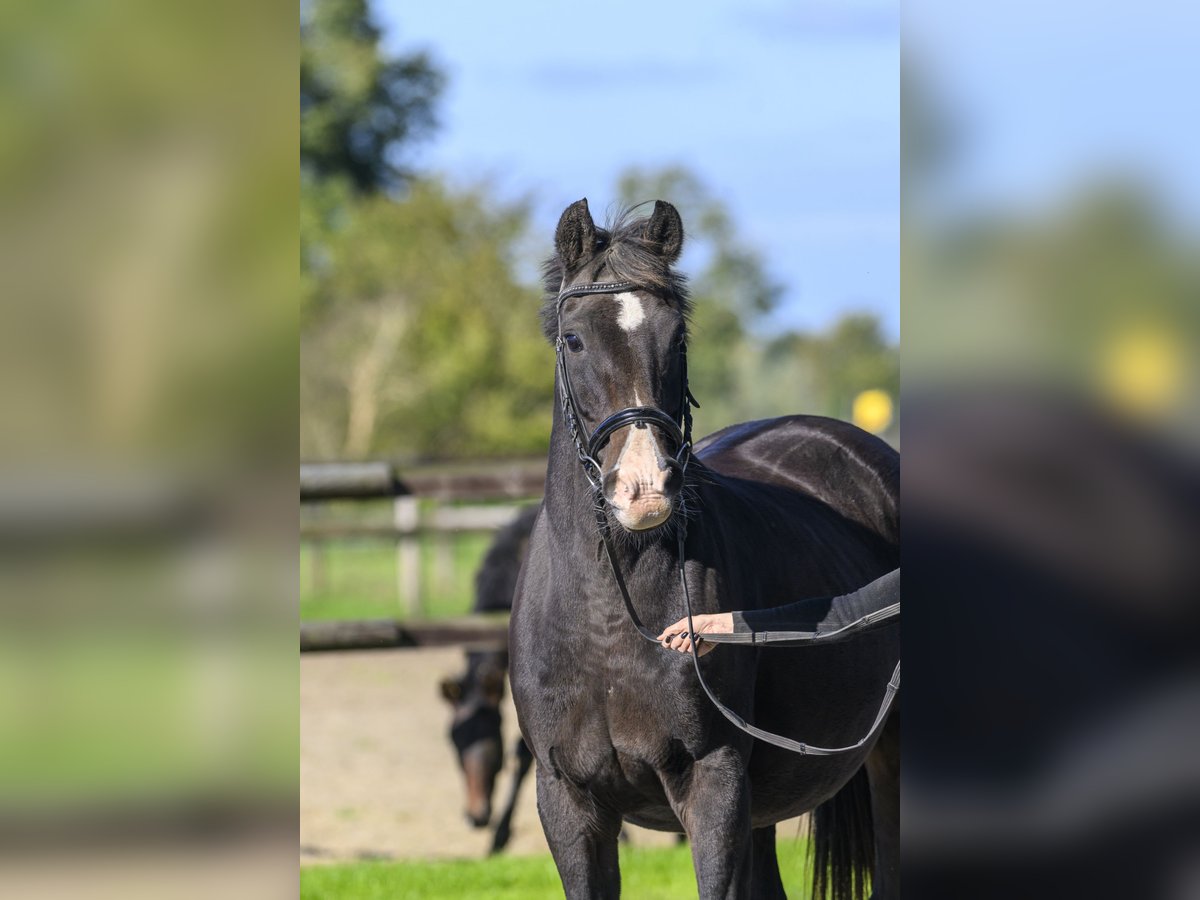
672, 630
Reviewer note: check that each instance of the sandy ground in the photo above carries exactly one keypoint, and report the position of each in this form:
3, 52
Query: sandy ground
378, 777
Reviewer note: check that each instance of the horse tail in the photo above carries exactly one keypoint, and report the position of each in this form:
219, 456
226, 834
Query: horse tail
843, 842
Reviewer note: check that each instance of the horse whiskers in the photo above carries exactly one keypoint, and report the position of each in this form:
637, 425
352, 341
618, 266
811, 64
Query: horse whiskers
639, 541
686, 511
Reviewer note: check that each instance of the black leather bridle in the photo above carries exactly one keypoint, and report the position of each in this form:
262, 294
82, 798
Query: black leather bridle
588, 446
680, 432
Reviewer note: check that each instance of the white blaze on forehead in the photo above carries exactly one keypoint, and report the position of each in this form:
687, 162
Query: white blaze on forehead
631, 314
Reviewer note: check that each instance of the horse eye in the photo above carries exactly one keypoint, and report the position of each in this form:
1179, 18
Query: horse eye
574, 344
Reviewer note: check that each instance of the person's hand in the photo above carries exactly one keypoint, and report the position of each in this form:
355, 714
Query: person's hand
676, 637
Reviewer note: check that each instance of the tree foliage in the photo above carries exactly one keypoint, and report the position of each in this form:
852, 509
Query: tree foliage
358, 108
416, 337
822, 373
421, 341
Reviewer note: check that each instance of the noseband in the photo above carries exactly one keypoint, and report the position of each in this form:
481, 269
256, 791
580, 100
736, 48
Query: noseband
589, 446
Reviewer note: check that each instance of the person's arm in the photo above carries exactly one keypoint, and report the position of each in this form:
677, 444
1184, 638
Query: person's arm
820, 615
823, 615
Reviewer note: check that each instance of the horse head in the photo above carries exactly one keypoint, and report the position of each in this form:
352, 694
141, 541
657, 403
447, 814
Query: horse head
475, 728
618, 321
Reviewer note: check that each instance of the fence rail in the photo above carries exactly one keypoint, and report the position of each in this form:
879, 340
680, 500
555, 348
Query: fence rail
444, 520
474, 632
416, 495
471, 482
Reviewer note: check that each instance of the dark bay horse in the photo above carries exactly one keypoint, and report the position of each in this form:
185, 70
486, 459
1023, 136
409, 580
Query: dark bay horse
774, 511
475, 695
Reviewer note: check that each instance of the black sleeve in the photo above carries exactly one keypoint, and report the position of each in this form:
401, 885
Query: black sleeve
822, 614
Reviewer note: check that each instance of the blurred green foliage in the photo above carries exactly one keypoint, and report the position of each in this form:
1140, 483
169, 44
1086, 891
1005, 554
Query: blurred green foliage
416, 336
148, 347
419, 339
1055, 296
358, 108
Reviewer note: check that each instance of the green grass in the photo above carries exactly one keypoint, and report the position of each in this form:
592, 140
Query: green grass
646, 873
356, 579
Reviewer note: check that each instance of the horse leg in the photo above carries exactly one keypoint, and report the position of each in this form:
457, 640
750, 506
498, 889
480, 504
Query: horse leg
582, 838
503, 831
767, 883
714, 807
883, 771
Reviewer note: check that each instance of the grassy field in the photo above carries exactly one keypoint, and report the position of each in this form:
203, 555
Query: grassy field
646, 873
356, 579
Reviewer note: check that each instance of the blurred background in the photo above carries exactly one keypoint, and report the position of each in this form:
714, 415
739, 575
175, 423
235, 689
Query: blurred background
151, 340
1051, 306
148, 203
438, 148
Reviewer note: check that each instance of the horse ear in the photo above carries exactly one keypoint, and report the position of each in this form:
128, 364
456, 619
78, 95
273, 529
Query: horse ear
575, 237
665, 229
493, 686
451, 690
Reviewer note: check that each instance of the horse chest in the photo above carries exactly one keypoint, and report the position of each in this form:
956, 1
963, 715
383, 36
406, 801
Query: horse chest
624, 768
618, 735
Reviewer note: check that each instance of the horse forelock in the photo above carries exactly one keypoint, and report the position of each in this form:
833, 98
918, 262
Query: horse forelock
622, 254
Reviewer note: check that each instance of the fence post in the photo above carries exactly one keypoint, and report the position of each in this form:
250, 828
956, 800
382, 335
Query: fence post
406, 514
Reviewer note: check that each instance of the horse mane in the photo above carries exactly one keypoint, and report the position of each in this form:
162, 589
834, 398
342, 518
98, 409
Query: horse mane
622, 248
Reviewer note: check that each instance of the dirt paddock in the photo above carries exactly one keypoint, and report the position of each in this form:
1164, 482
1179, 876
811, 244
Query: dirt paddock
378, 778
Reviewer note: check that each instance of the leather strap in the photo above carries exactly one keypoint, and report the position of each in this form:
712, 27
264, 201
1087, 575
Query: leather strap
778, 637
595, 287
769, 737
634, 415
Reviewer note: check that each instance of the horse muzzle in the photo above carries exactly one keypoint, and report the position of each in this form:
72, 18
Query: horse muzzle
643, 485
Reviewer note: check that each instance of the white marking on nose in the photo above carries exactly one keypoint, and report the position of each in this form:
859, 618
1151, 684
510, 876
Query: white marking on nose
637, 463
631, 315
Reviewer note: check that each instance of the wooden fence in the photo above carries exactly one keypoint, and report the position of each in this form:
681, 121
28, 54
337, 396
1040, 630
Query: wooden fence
413, 515
470, 633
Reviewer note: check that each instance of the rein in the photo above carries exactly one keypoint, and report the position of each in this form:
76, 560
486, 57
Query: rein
587, 447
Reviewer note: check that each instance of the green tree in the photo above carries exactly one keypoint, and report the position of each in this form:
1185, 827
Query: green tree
420, 341
822, 373
416, 338
359, 110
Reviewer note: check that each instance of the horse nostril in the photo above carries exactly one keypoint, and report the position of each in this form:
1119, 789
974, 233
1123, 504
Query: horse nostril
674, 480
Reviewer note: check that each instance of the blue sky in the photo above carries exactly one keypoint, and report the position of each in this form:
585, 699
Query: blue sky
788, 112
1051, 96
